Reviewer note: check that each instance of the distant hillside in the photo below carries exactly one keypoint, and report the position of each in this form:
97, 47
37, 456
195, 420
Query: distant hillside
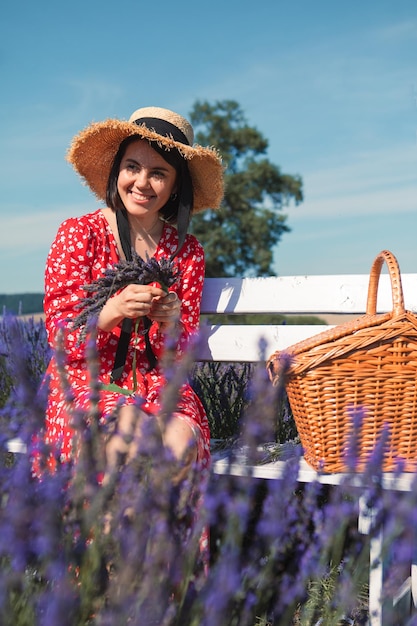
21, 303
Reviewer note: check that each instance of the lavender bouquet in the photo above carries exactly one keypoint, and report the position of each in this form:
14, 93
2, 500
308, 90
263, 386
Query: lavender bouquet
137, 271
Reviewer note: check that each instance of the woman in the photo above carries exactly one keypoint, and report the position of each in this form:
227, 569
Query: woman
151, 177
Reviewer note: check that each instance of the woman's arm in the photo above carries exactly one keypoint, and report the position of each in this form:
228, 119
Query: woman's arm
188, 290
77, 257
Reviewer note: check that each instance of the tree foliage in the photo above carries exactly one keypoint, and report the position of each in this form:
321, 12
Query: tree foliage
240, 238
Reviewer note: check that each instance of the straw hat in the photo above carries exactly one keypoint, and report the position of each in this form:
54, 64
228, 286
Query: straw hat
93, 150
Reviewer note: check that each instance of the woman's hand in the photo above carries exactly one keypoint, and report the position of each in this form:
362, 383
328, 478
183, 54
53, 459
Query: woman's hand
166, 310
132, 302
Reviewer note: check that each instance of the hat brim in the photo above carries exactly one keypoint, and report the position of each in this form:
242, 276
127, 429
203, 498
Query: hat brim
93, 150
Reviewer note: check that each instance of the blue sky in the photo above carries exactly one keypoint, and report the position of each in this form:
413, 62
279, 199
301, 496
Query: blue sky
331, 85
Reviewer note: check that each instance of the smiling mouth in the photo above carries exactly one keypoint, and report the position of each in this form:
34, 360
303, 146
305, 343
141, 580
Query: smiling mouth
140, 196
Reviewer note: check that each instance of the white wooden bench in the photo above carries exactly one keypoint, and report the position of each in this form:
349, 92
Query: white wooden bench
323, 296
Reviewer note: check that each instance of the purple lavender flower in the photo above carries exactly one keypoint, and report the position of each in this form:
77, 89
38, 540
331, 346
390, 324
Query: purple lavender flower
74, 552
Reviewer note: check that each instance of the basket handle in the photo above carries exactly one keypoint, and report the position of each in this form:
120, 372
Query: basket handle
396, 286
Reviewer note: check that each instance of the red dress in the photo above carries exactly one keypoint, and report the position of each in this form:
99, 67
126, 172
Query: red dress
83, 248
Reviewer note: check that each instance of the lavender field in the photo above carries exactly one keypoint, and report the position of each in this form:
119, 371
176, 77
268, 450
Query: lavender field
75, 552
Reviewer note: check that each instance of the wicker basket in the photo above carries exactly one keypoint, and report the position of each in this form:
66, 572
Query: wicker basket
368, 363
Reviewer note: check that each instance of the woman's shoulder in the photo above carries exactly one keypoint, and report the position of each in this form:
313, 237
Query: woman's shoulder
87, 221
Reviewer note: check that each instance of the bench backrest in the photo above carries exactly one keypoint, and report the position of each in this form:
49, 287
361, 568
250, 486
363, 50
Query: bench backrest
316, 295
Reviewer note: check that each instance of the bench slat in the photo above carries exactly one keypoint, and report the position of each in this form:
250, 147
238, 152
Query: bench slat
302, 294
245, 343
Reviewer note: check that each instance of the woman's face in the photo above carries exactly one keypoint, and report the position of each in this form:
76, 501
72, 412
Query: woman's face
145, 181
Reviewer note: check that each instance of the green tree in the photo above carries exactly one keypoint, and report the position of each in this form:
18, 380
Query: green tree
240, 238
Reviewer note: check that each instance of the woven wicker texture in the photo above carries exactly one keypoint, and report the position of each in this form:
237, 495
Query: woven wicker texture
367, 364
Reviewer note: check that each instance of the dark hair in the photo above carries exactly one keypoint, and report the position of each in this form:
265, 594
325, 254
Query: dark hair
169, 212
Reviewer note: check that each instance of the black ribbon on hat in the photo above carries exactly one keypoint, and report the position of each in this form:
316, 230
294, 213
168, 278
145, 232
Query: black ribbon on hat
164, 128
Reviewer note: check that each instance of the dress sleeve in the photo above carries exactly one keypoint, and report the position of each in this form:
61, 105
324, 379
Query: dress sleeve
74, 260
